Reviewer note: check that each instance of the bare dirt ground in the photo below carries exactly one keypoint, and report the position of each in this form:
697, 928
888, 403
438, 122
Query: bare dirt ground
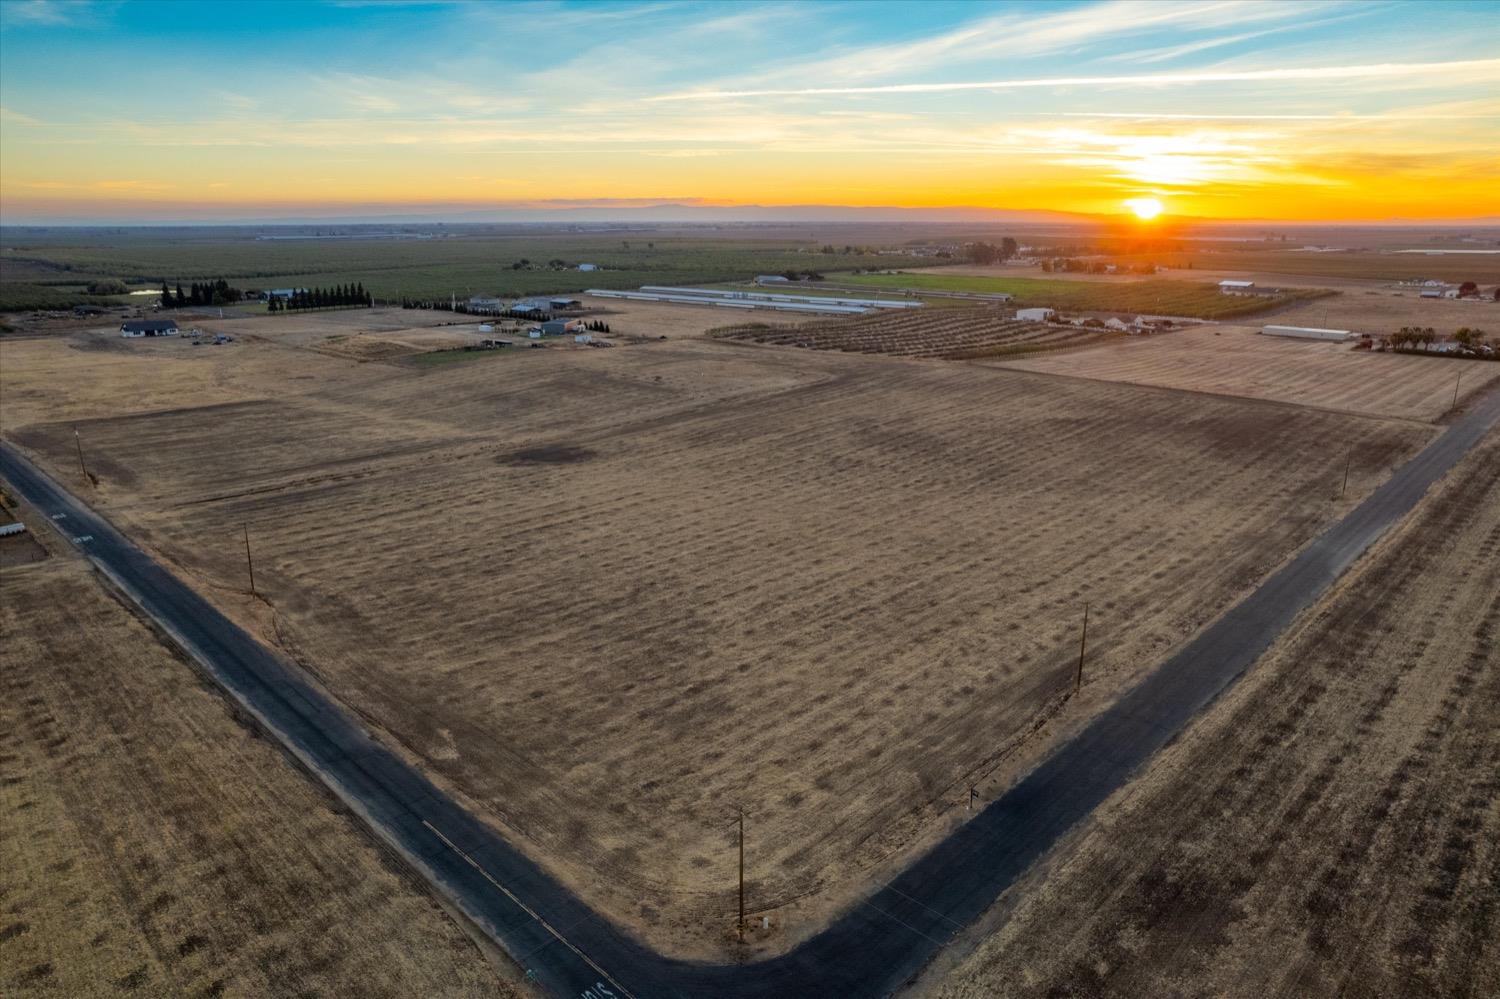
609, 596
656, 319
150, 844
1238, 360
1331, 827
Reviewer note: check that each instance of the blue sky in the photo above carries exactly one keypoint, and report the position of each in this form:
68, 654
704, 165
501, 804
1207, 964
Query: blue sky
1304, 107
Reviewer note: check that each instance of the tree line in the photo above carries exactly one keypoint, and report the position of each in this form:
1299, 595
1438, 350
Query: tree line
207, 293
341, 296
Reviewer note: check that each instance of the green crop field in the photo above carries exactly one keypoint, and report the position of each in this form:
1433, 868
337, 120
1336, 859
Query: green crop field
1371, 265
42, 268
1162, 297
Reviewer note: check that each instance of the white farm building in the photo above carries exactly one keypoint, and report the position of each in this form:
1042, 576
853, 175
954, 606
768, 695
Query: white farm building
1236, 287
1306, 332
1035, 315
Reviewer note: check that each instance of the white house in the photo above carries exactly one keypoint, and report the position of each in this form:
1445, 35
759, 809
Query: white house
486, 303
1035, 315
148, 327
771, 279
588, 267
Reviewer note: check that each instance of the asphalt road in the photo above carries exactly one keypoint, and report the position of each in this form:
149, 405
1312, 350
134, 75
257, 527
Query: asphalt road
870, 950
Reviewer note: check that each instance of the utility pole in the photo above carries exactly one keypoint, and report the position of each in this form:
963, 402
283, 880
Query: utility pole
1082, 645
1455, 389
1348, 460
81, 467
742, 875
249, 564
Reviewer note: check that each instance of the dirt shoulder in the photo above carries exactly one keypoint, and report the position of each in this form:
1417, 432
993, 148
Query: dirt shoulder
1332, 827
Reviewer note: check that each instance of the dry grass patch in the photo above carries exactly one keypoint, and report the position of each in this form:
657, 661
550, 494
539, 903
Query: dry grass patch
1238, 360
1332, 827
152, 845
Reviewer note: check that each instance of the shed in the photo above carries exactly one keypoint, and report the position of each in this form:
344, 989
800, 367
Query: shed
560, 327
148, 327
772, 279
563, 303
1035, 315
486, 303
1236, 287
588, 267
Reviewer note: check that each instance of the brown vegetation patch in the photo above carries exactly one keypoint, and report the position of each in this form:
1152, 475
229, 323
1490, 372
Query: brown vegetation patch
1331, 827
149, 843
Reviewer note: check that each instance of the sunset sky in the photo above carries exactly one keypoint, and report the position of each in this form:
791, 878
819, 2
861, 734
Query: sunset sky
1224, 108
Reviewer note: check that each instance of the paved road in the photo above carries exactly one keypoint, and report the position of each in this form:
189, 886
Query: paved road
869, 951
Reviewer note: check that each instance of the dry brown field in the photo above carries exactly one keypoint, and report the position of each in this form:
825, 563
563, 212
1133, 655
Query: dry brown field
657, 319
151, 844
954, 334
1240, 361
609, 596
1330, 827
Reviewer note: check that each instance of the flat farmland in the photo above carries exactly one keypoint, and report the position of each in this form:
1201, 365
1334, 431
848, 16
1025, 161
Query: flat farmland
1238, 360
611, 596
151, 844
1330, 827
953, 334
1158, 296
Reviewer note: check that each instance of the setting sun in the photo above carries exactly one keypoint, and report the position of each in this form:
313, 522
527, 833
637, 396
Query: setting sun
1144, 208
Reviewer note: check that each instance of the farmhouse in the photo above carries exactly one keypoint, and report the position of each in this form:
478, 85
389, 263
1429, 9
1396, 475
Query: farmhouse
486, 303
1236, 287
148, 327
771, 279
281, 293
588, 267
1432, 292
1035, 315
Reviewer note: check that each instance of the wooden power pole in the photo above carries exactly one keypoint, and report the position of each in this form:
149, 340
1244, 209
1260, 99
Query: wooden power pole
78, 442
1082, 645
1348, 460
249, 564
742, 875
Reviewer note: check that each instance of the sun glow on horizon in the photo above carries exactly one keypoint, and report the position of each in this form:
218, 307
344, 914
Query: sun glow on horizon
1145, 209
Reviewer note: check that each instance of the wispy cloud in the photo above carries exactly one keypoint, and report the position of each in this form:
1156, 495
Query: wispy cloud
1480, 70
16, 117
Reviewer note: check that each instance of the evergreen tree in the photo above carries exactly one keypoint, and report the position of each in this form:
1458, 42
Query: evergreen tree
181, 298
166, 295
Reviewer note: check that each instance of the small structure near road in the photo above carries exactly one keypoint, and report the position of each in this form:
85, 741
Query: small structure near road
148, 327
1306, 332
1036, 315
765, 279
